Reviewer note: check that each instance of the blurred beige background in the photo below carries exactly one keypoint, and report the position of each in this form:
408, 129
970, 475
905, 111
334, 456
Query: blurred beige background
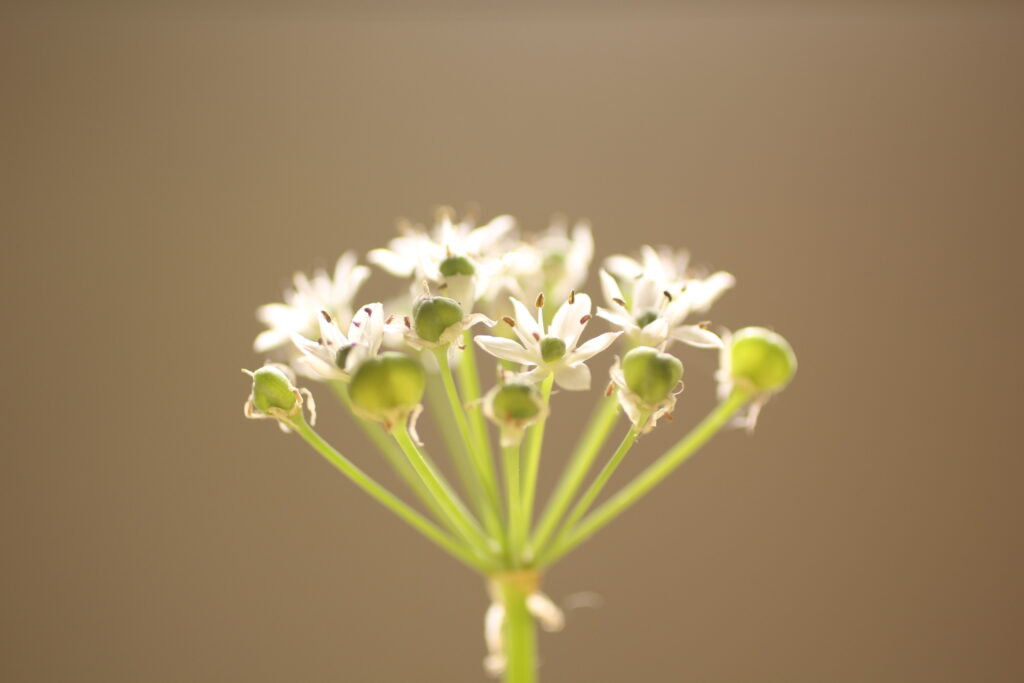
857, 166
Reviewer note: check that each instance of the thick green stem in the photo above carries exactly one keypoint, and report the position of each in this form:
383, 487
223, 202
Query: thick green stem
469, 382
595, 488
594, 436
650, 477
514, 501
386, 498
520, 635
443, 492
531, 467
484, 465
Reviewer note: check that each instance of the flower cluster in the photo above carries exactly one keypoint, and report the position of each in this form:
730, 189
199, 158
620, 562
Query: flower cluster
528, 291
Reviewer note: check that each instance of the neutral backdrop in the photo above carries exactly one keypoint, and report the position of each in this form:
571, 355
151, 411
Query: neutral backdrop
857, 166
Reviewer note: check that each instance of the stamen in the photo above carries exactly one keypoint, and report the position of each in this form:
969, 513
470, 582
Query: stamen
704, 325
668, 416
326, 315
572, 296
356, 324
619, 302
540, 300
667, 295
443, 285
609, 390
408, 322
391, 319
585, 319
368, 310
536, 336
509, 321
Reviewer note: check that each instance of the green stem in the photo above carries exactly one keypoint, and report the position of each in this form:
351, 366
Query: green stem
591, 494
533, 448
392, 454
514, 501
458, 449
594, 436
442, 492
469, 381
650, 477
484, 466
520, 636
386, 498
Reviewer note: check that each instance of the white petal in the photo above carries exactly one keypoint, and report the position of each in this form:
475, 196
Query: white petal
330, 333
269, 339
655, 332
568, 323
694, 335
526, 324
476, 319
624, 321
485, 238
611, 290
505, 349
396, 264
573, 377
623, 266
594, 346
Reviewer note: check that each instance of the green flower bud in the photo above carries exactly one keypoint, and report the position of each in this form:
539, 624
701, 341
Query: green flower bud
432, 315
387, 386
457, 265
271, 388
551, 349
651, 374
761, 359
515, 401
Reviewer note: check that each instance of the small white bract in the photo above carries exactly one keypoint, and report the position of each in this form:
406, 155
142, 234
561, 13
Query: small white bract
551, 350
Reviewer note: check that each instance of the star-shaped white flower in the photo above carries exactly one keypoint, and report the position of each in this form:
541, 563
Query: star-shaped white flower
552, 350
555, 261
303, 303
420, 255
336, 355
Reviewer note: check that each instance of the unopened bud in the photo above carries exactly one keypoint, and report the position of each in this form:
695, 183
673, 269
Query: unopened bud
761, 360
387, 387
432, 315
271, 388
651, 374
514, 406
456, 265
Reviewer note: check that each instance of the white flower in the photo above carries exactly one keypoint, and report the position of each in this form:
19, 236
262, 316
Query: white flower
303, 303
421, 255
656, 310
553, 350
660, 265
554, 261
335, 355
641, 414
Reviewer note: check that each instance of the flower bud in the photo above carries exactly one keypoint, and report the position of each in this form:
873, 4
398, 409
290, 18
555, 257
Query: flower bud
432, 315
387, 387
516, 401
456, 265
651, 374
271, 388
761, 360
514, 406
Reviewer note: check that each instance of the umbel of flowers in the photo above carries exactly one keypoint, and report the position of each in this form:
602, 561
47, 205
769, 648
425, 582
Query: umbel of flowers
383, 360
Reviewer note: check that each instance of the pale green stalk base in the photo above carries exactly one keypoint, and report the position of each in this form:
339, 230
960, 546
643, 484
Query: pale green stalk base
535, 440
649, 478
514, 498
520, 633
386, 498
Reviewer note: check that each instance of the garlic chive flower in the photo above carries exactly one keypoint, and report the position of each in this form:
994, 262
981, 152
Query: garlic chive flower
648, 382
303, 302
757, 361
275, 397
556, 261
552, 349
654, 312
336, 355
436, 322
460, 259
388, 388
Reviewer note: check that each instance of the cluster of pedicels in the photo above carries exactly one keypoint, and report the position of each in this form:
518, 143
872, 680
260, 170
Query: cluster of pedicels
527, 291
